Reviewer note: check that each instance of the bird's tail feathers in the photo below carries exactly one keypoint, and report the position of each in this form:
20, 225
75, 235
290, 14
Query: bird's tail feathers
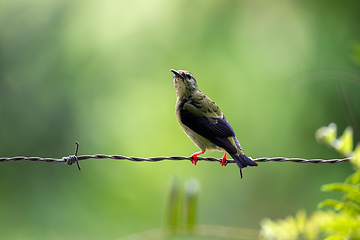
242, 160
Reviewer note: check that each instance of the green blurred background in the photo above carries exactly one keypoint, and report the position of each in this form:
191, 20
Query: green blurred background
97, 72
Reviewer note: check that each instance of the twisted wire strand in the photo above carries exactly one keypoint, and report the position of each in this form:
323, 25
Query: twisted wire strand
72, 159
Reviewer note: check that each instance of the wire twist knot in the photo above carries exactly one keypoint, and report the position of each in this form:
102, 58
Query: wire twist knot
69, 160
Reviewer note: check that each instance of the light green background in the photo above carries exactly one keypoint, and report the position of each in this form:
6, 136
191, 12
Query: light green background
97, 72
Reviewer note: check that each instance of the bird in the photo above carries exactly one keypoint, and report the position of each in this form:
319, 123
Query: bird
204, 123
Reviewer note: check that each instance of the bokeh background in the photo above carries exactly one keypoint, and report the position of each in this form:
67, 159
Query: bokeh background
97, 72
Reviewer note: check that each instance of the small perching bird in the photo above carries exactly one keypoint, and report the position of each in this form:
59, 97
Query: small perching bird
204, 123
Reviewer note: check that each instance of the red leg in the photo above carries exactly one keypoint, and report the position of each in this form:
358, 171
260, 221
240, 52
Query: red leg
223, 160
194, 156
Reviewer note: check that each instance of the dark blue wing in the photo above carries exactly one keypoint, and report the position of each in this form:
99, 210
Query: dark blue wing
217, 130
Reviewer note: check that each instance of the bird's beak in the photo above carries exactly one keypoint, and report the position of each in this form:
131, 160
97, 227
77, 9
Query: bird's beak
177, 73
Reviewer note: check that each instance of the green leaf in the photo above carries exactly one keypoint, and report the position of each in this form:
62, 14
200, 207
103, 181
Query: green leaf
348, 207
344, 144
174, 207
340, 187
354, 178
327, 134
356, 157
355, 198
330, 203
192, 187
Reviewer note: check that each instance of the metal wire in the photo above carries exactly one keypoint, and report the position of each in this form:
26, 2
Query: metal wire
173, 158
69, 160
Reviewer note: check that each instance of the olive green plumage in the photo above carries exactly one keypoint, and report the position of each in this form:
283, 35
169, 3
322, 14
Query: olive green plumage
203, 122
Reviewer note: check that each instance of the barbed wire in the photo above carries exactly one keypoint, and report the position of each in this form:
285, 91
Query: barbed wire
173, 158
69, 160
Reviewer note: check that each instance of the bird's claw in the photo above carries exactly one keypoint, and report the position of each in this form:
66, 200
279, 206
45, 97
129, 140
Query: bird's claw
223, 162
194, 160
195, 156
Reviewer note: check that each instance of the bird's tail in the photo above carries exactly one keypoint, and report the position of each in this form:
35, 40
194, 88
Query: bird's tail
242, 161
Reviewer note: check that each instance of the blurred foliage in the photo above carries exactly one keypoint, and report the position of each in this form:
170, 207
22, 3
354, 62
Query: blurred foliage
97, 72
182, 206
343, 222
344, 144
182, 218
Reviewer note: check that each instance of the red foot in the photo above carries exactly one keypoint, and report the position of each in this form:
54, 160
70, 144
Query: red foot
223, 160
194, 156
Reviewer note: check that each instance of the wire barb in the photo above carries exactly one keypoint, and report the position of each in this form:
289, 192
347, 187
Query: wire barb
73, 158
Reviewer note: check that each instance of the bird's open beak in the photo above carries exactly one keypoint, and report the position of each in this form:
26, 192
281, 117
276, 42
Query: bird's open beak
177, 73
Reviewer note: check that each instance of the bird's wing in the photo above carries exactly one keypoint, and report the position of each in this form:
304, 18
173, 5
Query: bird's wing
206, 119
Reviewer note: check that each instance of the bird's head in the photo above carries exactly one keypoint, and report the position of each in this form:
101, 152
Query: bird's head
184, 83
